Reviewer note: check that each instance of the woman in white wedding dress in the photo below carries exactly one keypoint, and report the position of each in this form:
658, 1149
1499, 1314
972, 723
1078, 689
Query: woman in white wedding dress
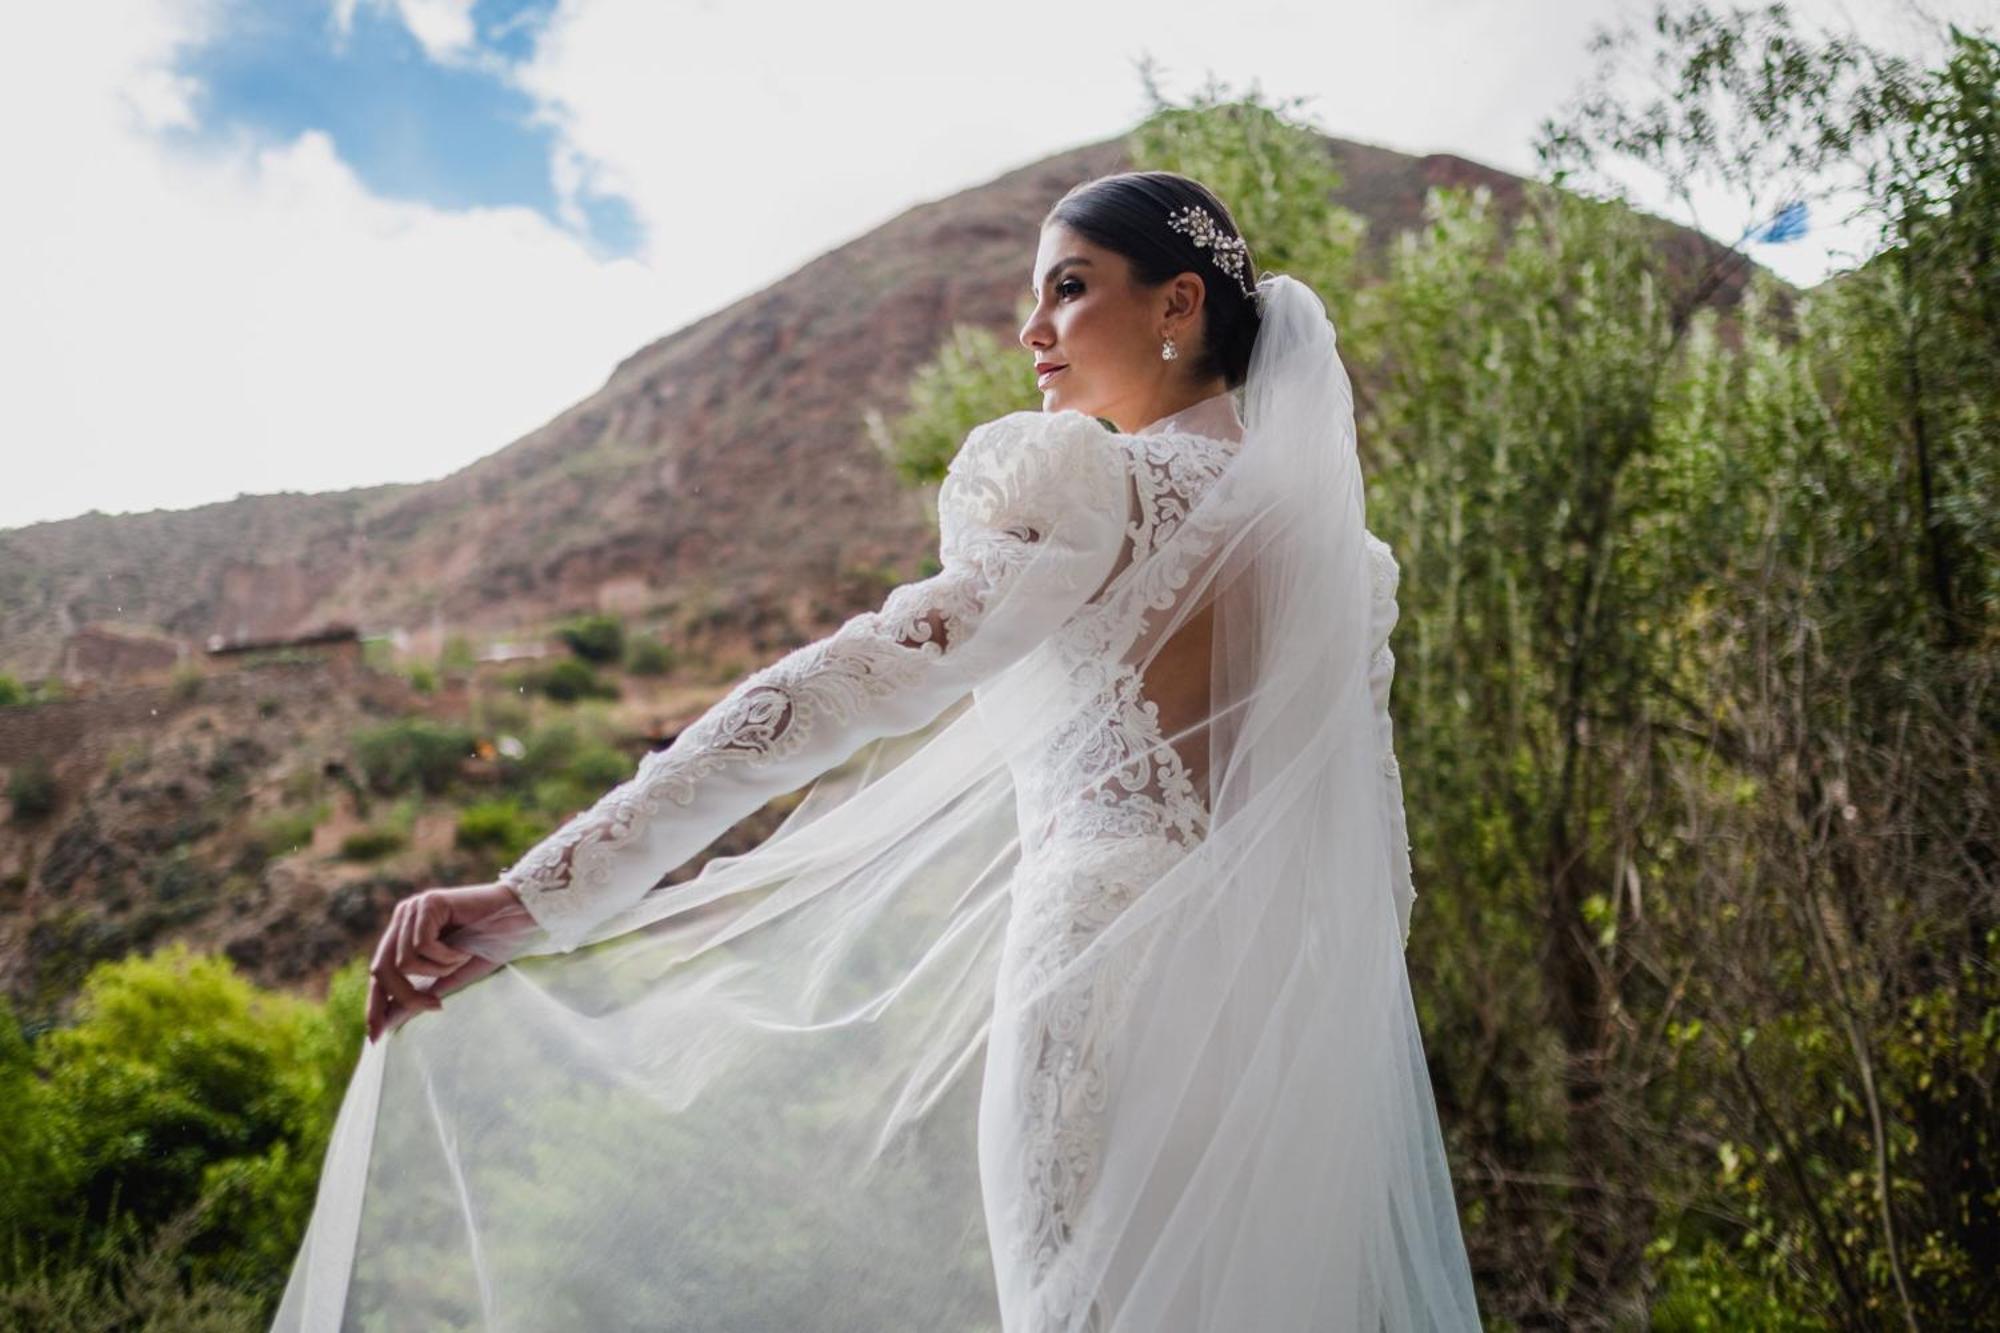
1071, 997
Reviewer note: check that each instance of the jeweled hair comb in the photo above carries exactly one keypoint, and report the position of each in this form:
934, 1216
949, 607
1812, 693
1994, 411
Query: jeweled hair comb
1230, 253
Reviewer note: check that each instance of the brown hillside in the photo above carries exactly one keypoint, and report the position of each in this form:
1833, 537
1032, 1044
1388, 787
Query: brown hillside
725, 461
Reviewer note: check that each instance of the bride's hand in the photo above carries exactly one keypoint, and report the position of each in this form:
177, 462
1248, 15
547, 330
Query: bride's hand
413, 946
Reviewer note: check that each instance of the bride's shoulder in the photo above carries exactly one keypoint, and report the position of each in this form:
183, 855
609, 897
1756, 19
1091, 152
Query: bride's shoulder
1029, 443
1029, 460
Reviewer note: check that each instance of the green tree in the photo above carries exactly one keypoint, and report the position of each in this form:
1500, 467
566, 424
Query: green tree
177, 1088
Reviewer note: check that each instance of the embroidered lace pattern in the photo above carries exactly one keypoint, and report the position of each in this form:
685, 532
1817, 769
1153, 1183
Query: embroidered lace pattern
1118, 811
1004, 488
1108, 770
1061, 1037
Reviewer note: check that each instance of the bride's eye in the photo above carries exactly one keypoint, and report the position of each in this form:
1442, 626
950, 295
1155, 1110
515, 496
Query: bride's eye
1066, 284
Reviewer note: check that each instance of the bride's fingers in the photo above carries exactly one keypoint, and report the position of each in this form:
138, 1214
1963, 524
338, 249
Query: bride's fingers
409, 962
464, 975
437, 951
378, 1008
400, 950
378, 992
401, 992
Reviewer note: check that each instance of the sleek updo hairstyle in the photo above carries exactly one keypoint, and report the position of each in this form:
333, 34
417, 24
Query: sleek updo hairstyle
1128, 213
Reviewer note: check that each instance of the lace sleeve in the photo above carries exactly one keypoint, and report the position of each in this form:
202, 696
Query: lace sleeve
1031, 515
1386, 575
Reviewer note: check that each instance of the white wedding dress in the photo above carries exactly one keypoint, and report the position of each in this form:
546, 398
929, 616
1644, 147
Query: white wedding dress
923, 1023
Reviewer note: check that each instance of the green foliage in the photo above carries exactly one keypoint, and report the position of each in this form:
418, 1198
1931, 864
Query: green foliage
496, 714
1711, 1291
501, 827
972, 377
567, 681
423, 677
562, 769
1270, 163
594, 638
371, 844
1694, 659
648, 656
162, 1148
15, 694
32, 788
116, 1280
457, 657
287, 831
412, 754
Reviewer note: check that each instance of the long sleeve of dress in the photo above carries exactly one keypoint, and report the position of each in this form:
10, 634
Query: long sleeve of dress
1031, 516
1381, 670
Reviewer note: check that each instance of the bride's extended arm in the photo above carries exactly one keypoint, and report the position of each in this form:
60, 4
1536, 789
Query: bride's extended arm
1031, 516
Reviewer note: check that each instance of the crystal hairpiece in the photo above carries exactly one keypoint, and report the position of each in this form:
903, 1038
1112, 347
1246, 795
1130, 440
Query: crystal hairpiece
1229, 252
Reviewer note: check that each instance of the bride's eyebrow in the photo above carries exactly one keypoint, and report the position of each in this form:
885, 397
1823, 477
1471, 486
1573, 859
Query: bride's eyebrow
1055, 269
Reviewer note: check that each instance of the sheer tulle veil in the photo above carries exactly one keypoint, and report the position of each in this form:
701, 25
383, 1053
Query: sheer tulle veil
753, 1099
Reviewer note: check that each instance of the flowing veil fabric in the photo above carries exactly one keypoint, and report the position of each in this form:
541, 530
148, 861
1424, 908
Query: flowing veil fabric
809, 1087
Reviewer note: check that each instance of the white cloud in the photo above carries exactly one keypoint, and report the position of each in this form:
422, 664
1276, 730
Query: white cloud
183, 327
444, 28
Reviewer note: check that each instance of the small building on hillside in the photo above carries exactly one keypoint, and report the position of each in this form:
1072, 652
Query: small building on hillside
337, 644
110, 654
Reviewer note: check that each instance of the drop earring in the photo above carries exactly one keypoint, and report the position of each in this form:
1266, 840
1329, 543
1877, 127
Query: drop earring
1167, 349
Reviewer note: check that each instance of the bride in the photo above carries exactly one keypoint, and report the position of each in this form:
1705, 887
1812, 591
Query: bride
1070, 997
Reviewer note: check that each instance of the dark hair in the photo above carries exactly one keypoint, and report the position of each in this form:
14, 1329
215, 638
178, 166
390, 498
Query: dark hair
1128, 214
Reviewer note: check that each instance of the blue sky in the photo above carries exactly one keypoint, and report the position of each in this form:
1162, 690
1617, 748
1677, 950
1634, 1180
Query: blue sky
266, 245
422, 110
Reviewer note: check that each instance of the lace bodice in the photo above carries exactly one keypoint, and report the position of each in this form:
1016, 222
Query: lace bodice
1039, 515
1109, 771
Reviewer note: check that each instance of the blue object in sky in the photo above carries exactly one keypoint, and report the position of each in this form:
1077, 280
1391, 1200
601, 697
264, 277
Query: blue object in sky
1788, 225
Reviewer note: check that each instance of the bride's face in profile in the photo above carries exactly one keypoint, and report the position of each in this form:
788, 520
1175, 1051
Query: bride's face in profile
1104, 332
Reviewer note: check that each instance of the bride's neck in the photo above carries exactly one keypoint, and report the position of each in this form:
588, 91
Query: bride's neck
1210, 396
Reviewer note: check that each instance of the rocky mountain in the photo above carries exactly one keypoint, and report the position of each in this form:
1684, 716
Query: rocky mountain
724, 464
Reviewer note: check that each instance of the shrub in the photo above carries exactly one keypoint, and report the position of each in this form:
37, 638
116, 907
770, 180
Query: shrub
496, 826
370, 844
287, 831
412, 753
32, 788
649, 657
594, 638
162, 1150
570, 680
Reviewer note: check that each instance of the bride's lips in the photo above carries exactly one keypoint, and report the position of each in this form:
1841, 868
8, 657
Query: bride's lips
1049, 374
